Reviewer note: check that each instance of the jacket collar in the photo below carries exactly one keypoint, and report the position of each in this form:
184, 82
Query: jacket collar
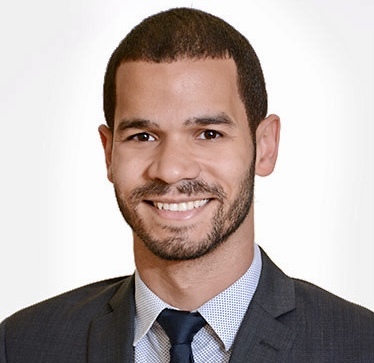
262, 337
111, 334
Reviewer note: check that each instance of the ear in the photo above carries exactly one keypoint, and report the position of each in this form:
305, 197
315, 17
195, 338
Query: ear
106, 137
267, 142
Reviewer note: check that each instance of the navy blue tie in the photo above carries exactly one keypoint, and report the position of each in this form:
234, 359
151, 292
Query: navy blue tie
180, 327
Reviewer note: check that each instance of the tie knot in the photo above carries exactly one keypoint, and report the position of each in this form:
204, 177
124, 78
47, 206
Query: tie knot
180, 326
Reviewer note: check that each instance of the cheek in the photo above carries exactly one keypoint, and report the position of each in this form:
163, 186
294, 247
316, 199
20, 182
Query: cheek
226, 175
126, 171
232, 165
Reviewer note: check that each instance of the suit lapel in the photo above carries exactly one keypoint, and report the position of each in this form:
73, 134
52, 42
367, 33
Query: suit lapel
111, 334
261, 337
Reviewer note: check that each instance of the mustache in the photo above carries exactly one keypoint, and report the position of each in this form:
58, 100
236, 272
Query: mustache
192, 187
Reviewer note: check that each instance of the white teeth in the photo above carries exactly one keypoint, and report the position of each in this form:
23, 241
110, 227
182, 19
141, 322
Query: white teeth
180, 207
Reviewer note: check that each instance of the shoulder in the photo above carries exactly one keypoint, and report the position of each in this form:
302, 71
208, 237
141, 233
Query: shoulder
302, 296
314, 294
88, 298
324, 306
57, 329
329, 326
326, 327
310, 303
74, 309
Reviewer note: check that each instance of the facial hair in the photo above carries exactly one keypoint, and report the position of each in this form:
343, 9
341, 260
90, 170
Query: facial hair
177, 245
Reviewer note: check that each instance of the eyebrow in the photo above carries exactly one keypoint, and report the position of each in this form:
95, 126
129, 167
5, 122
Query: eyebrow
220, 119
136, 123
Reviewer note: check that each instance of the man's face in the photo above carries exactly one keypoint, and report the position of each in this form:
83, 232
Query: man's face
181, 158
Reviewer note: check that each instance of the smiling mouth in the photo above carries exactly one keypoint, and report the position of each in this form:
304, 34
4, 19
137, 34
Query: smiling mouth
180, 207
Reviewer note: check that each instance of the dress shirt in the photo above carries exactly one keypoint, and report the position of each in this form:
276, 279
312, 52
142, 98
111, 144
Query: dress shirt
223, 313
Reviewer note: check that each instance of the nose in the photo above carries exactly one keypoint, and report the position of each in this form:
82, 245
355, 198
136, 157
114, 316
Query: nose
174, 161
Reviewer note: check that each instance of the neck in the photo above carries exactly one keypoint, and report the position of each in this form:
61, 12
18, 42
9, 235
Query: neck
187, 285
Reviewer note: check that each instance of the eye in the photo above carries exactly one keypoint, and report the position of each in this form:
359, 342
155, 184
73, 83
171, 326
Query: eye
210, 135
142, 137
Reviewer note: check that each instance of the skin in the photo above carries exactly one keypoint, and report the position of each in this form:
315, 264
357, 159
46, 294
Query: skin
177, 124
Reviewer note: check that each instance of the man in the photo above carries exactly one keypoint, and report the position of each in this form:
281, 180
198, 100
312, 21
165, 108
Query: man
187, 130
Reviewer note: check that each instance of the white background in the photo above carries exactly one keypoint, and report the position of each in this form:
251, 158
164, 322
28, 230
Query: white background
60, 227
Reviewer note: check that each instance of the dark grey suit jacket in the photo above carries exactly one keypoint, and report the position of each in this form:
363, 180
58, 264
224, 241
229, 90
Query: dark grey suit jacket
287, 321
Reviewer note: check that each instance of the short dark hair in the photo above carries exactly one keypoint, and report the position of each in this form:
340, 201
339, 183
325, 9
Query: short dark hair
182, 33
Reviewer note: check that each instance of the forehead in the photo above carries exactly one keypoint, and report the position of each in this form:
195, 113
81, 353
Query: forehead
145, 89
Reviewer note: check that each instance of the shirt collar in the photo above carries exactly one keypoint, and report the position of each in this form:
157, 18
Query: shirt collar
148, 307
224, 313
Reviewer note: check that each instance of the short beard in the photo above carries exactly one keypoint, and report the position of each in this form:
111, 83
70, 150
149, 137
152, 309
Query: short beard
178, 246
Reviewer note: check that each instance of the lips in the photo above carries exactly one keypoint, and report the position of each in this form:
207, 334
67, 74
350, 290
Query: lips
180, 207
